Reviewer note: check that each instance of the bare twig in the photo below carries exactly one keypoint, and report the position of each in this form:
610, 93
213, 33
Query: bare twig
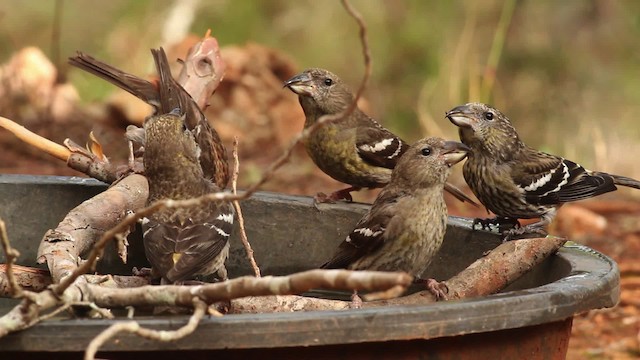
236, 205
366, 53
55, 312
34, 139
11, 255
161, 335
173, 295
36, 280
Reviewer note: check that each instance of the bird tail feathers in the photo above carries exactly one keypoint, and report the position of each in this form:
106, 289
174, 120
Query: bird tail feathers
626, 181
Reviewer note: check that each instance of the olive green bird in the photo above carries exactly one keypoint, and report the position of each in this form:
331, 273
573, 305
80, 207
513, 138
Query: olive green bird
356, 150
405, 226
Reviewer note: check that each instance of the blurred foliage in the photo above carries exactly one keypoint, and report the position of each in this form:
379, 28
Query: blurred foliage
568, 74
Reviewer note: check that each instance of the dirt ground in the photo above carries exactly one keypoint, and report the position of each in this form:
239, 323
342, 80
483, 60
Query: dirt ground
267, 116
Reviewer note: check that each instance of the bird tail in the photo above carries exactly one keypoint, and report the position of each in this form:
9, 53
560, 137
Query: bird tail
136, 86
625, 181
458, 194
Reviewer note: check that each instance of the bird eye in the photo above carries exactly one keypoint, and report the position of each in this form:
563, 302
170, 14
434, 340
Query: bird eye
328, 82
488, 115
426, 151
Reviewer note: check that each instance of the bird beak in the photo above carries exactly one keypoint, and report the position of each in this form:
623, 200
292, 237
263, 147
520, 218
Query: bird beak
454, 152
300, 84
461, 116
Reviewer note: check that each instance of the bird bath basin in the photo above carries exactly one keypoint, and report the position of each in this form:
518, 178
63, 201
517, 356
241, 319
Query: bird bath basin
530, 319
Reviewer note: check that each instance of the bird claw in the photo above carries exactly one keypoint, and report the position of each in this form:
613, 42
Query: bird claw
356, 301
142, 272
344, 194
322, 198
496, 224
517, 233
438, 289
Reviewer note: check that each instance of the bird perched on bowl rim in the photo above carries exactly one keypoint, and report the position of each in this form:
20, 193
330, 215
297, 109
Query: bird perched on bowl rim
515, 181
405, 226
183, 158
355, 150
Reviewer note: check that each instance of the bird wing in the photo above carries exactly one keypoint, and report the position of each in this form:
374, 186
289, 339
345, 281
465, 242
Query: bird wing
546, 179
174, 96
195, 244
368, 236
378, 146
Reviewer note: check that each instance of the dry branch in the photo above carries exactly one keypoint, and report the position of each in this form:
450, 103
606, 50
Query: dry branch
77, 232
492, 273
488, 275
11, 255
29, 279
29, 311
236, 206
160, 335
36, 280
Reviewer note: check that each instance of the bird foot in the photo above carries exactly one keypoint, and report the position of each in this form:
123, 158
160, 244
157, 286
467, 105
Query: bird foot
439, 289
496, 224
356, 301
144, 272
344, 194
524, 232
219, 308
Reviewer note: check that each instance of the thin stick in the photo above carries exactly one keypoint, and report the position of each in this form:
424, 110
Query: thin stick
35, 140
200, 308
236, 205
55, 312
11, 254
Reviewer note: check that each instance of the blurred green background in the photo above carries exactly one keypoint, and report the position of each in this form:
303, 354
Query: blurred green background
566, 72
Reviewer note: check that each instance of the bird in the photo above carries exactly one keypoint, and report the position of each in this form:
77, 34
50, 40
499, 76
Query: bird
515, 181
356, 150
213, 152
405, 226
183, 159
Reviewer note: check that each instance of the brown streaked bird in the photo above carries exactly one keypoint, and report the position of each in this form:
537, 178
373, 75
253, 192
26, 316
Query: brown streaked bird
405, 226
515, 181
355, 150
183, 158
214, 155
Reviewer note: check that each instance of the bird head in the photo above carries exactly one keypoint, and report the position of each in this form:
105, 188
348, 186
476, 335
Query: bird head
168, 141
485, 129
428, 162
320, 91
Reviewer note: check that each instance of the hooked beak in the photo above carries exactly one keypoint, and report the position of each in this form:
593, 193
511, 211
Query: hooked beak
461, 116
300, 84
454, 152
